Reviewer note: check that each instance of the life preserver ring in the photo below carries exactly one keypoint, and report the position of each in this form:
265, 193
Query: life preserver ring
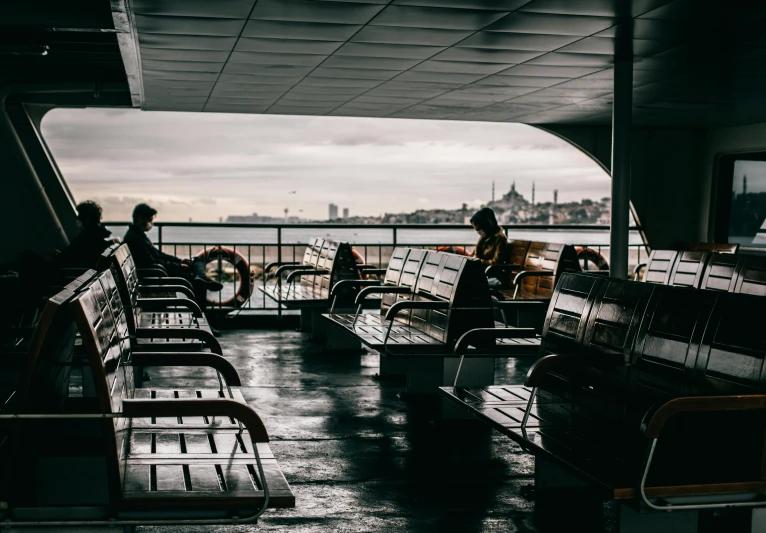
245, 285
459, 250
592, 256
358, 259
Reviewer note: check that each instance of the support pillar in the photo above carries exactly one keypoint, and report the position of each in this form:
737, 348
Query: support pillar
622, 125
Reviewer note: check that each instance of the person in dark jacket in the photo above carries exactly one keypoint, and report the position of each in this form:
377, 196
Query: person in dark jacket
85, 250
492, 248
145, 254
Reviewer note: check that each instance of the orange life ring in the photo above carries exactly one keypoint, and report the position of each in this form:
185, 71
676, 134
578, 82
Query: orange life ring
245, 286
591, 255
358, 259
459, 250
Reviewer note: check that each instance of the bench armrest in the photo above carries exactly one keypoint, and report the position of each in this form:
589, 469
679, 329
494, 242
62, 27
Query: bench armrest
290, 267
164, 303
469, 338
652, 427
408, 304
374, 271
637, 270
305, 272
656, 420
166, 280
150, 289
181, 333
342, 284
532, 274
364, 267
539, 370
273, 264
157, 271
380, 289
212, 360
500, 268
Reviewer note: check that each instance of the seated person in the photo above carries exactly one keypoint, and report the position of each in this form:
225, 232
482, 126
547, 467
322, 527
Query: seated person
85, 250
492, 248
145, 255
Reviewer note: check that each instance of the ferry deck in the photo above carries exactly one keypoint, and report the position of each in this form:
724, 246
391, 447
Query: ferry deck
576, 401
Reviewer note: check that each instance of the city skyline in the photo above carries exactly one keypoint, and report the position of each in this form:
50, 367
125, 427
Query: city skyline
240, 164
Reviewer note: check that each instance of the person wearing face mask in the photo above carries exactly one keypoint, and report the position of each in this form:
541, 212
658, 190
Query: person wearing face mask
85, 249
145, 255
492, 248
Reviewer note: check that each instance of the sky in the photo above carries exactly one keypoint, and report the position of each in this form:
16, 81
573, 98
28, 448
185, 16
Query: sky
207, 166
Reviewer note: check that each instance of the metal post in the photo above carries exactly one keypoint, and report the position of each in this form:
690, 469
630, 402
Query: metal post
159, 237
279, 259
394, 237
622, 124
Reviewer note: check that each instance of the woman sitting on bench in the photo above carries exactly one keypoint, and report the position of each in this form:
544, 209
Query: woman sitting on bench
492, 248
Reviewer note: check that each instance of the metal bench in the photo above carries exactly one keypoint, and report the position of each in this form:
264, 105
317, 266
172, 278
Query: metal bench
158, 313
143, 457
308, 284
534, 281
439, 297
632, 414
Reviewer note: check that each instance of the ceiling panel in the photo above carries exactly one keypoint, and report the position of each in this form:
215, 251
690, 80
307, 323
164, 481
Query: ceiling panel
537, 61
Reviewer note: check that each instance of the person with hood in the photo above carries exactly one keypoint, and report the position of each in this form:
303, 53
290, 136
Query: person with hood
492, 248
86, 249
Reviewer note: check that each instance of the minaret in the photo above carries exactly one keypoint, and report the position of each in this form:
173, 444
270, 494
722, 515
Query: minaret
744, 186
555, 197
533, 193
286, 211
493, 191
513, 186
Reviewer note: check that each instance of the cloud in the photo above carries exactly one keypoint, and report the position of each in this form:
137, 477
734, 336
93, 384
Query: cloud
206, 165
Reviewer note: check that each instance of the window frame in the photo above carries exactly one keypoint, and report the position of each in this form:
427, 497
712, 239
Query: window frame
724, 183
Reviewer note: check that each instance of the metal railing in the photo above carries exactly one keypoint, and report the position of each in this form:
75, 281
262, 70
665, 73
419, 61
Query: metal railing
261, 244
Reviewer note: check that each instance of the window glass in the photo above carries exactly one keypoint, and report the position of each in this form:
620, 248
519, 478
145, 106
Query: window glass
748, 203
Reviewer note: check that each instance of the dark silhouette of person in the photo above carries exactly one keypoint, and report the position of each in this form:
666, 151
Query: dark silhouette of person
492, 248
85, 249
146, 255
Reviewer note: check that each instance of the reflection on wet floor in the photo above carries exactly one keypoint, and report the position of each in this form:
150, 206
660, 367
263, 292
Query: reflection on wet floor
361, 459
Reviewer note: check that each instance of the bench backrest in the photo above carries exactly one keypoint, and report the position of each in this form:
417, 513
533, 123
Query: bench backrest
668, 340
594, 314
404, 272
519, 251
744, 274
334, 257
44, 382
443, 277
555, 257
688, 269
106, 342
720, 247
125, 273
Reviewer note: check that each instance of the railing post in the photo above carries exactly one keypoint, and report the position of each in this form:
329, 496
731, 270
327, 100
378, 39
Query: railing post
159, 237
279, 259
394, 237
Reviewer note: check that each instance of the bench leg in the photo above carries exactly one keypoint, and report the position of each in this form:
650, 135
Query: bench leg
305, 319
632, 521
338, 339
391, 367
318, 325
478, 372
758, 520
426, 374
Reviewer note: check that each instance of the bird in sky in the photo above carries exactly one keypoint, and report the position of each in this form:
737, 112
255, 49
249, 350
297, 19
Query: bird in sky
292, 192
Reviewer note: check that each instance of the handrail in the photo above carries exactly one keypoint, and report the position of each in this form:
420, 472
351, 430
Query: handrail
319, 225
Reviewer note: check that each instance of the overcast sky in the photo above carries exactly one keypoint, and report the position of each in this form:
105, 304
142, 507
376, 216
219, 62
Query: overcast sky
206, 166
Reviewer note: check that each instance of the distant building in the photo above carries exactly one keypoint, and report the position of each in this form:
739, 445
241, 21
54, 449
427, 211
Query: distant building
333, 212
345, 213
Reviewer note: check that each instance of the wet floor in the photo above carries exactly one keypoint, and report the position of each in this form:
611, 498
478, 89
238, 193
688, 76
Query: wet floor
358, 457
